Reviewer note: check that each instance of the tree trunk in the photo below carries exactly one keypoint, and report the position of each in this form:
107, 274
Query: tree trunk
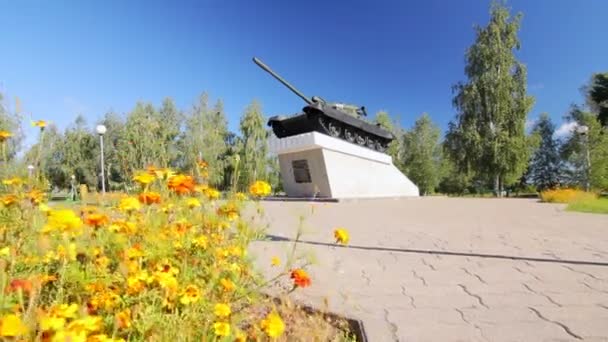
497, 185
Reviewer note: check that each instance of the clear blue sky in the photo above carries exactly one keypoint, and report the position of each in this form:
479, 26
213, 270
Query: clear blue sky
68, 57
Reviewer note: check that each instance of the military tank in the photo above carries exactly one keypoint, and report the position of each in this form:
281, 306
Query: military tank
339, 120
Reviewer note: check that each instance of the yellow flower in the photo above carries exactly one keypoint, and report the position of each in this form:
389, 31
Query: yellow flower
71, 336
63, 220
164, 173
240, 337
86, 324
273, 325
222, 310
13, 181
129, 204
227, 284
103, 338
341, 235
235, 268
201, 241
48, 323
240, 196
64, 310
221, 328
212, 194
5, 251
259, 189
275, 261
40, 124
193, 202
4, 135
143, 178
44, 208
190, 295
12, 326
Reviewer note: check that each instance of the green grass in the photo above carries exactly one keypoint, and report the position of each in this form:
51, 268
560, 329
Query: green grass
597, 206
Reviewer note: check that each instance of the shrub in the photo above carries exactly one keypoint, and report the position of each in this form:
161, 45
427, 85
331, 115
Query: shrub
565, 195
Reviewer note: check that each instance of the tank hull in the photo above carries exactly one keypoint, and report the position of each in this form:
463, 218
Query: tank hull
326, 120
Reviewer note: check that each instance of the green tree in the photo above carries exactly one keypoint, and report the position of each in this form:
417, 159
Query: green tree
151, 135
76, 152
586, 155
253, 159
488, 138
422, 155
597, 96
115, 152
10, 122
546, 164
395, 147
206, 138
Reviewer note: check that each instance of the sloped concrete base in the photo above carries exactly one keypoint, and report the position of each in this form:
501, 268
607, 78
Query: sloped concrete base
317, 165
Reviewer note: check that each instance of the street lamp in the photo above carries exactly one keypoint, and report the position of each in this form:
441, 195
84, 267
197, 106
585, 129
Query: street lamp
30, 170
101, 130
584, 131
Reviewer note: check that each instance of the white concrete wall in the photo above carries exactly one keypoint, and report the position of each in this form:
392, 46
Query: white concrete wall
339, 169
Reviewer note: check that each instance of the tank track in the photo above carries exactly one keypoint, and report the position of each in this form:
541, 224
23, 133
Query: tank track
340, 130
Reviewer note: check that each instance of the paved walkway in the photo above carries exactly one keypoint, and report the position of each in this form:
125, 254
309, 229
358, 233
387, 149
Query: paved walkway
441, 269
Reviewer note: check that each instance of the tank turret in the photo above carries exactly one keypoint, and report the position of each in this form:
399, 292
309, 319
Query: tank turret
339, 120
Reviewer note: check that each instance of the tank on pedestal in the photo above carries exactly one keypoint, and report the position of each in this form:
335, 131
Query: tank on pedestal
339, 120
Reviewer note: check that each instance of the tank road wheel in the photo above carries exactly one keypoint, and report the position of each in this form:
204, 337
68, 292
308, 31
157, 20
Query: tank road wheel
360, 139
330, 126
349, 134
371, 143
380, 147
334, 128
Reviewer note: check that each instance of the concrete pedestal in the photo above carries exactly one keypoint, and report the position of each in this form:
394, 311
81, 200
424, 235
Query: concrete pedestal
317, 165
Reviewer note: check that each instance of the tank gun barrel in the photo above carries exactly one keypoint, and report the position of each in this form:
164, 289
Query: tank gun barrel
280, 79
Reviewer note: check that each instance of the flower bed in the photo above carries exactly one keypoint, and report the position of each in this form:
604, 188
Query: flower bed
168, 262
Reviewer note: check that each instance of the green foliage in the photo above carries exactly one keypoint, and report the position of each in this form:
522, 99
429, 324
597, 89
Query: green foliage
253, 161
395, 148
546, 164
597, 96
206, 138
10, 122
76, 152
151, 135
488, 137
593, 145
453, 181
422, 154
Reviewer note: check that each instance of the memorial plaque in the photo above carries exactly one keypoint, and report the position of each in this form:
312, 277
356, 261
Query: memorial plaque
301, 173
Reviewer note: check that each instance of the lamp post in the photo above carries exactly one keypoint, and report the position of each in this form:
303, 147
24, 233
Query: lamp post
30, 170
584, 131
101, 130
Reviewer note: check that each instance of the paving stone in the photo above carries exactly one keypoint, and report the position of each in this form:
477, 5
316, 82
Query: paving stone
443, 269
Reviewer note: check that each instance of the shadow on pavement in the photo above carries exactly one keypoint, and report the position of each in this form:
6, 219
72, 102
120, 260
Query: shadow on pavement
277, 238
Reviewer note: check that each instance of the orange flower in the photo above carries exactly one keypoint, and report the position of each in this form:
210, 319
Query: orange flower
123, 319
8, 200
96, 219
36, 196
20, 284
300, 278
149, 197
181, 184
4, 135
